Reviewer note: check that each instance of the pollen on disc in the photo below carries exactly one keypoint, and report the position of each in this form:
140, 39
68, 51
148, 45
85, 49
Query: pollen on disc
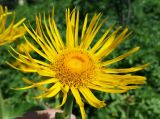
75, 64
74, 68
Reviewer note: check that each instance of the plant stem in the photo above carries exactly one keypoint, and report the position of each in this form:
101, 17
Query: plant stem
68, 107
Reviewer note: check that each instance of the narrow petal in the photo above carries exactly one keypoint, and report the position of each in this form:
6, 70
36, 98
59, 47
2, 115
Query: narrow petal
91, 99
117, 79
123, 86
69, 30
112, 44
65, 91
126, 70
128, 87
19, 22
101, 41
47, 81
120, 57
44, 39
56, 30
21, 69
31, 82
28, 64
107, 84
91, 29
54, 41
76, 29
79, 101
24, 88
100, 53
49, 51
36, 84
52, 91
90, 37
46, 72
105, 89
84, 26
37, 50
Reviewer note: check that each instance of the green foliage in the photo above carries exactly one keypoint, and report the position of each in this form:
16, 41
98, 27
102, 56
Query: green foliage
141, 16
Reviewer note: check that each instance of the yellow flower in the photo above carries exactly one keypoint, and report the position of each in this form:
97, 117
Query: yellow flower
74, 65
9, 33
21, 49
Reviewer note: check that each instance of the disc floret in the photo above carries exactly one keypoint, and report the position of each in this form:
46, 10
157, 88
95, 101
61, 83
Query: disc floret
74, 68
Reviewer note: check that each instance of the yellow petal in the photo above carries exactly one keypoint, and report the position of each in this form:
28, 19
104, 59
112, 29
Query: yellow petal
91, 28
103, 46
113, 42
114, 80
105, 89
76, 29
55, 33
52, 91
44, 39
54, 41
90, 37
31, 82
91, 99
37, 50
19, 22
22, 69
120, 57
107, 84
125, 70
79, 101
101, 41
46, 72
65, 91
128, 87
31, 65
69, 30
48, 81
84, 26
48, 50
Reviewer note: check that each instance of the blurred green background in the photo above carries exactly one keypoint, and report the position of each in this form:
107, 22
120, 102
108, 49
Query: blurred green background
143, 19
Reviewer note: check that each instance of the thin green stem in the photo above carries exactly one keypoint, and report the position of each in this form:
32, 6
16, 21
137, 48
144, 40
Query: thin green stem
67, 109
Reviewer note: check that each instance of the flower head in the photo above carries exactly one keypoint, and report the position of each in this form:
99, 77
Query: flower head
21, 49
11, 32
74, 65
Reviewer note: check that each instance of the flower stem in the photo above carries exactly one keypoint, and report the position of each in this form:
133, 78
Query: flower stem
68, 107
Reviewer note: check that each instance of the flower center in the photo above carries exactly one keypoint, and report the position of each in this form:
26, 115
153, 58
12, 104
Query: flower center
75, 64
74, 68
